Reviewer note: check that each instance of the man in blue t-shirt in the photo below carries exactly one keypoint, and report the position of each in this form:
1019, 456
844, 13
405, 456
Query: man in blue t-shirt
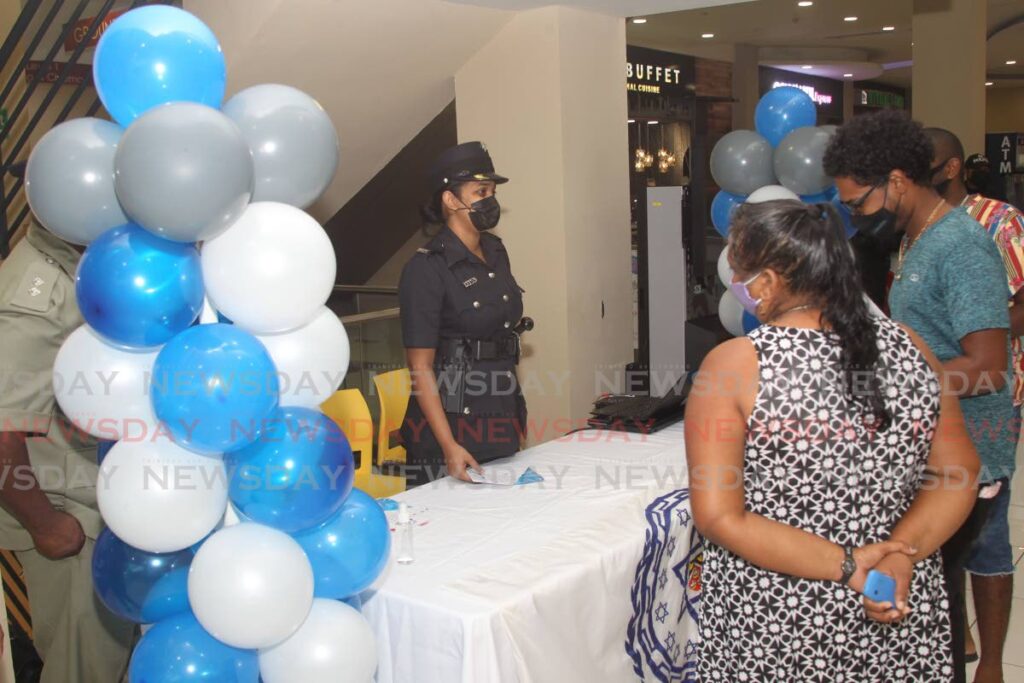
950, 287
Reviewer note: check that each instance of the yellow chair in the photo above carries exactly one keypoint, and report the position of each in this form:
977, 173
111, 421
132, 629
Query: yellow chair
393, 390
349, 410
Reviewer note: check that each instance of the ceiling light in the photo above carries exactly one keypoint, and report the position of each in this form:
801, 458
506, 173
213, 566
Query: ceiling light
652, 123
849, 18
847, 75
707, 35
807, 66
988, 83
1011, 62
630, 120
804, 3
888, 28
639, 20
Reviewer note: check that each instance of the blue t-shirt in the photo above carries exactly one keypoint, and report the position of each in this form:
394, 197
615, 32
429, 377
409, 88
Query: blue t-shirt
953, 283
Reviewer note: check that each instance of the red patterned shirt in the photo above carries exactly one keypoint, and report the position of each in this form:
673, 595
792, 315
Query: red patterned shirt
1005, 224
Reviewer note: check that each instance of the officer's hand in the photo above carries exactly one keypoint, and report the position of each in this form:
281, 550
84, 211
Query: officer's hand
458, 460
58, 535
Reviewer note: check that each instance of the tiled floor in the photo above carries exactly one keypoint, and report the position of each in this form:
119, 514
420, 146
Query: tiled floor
1013, 658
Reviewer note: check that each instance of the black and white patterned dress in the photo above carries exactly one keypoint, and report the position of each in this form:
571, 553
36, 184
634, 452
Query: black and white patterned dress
811, 463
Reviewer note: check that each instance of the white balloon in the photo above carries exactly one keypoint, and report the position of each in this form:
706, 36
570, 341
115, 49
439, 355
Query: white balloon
272, 270
724, 271
102, 389
335, 645
157, 496
251, 586
730, 312
770, 193
311, 361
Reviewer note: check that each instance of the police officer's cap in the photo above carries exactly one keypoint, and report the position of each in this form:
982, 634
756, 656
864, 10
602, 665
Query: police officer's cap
466, 162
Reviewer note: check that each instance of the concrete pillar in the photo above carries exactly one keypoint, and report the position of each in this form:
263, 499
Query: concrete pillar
547, 96
746, 86
949, 68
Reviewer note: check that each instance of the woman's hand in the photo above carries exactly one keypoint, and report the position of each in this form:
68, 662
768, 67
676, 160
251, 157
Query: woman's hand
900, 567
458, 460
869, 556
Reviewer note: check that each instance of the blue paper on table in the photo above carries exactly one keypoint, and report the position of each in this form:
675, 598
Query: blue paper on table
388, 504
529, 477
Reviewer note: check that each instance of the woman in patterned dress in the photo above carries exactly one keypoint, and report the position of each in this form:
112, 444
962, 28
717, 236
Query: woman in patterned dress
820, 448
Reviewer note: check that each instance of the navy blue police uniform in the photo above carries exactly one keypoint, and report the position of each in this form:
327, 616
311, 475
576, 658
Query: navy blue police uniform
467, 310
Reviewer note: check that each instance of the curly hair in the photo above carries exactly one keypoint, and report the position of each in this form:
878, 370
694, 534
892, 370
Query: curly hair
871, 146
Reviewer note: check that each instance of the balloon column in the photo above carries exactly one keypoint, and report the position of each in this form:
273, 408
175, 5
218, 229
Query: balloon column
782, 160
186, 205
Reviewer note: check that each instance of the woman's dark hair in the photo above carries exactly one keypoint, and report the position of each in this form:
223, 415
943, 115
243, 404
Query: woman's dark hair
872, 146
806, 244
433, 211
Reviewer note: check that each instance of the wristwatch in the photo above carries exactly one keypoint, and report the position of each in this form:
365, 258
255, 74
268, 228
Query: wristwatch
849, 565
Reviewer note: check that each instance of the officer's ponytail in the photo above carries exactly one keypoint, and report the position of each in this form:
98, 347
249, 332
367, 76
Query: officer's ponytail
432, 212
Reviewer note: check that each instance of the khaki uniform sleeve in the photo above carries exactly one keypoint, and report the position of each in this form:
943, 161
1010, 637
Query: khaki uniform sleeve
33, 324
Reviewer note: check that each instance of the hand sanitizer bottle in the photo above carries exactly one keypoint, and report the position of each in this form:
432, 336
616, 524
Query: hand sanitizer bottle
404, 555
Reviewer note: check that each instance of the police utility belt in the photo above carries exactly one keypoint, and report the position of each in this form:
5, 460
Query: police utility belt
456, 358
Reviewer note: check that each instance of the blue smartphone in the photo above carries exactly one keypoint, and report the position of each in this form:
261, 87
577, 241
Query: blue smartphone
880, 587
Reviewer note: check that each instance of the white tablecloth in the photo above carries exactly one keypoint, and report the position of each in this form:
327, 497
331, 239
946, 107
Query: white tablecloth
591, 575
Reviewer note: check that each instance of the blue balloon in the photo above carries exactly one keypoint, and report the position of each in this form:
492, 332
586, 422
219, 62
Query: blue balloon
722, 207
783, 110
844, 214
296, 475
820, 198
102, 448
138, 585
214, 386
750, 323
154, 55
178, 650
139, 290
350, 551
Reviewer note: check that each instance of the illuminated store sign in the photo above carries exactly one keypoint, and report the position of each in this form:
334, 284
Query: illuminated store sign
818, 97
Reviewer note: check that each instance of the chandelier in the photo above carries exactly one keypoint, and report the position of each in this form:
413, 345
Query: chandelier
644, 160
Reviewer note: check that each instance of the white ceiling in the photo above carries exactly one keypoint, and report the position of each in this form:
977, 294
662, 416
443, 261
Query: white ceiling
378, 72
781, 26
622, 8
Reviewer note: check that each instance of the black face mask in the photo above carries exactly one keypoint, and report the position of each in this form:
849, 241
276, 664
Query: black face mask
880, 227
485, 213
943, 185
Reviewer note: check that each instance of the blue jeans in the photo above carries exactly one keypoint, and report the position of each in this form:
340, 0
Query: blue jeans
991, 553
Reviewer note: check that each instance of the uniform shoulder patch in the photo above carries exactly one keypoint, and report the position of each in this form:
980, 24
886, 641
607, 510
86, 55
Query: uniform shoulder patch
36, 287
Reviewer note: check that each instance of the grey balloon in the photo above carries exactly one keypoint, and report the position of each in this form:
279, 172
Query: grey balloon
70, 180
293, 141
741, 162
798, 160
184, 172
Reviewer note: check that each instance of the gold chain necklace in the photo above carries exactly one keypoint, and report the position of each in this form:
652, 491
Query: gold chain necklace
906, 245
803, 307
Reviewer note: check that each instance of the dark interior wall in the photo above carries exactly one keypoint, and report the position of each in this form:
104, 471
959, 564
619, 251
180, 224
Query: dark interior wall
385, 213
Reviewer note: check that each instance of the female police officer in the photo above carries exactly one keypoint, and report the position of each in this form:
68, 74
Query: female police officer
460, 307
